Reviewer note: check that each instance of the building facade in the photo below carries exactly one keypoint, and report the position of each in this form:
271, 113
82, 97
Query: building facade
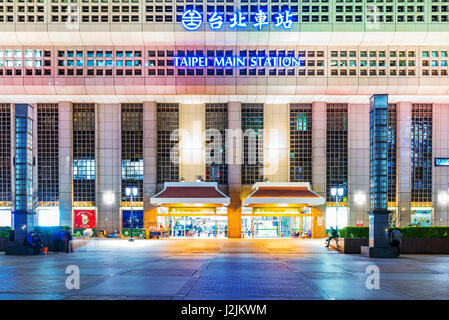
137, 94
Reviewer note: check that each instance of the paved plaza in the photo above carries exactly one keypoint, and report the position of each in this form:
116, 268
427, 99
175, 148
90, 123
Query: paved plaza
220, 269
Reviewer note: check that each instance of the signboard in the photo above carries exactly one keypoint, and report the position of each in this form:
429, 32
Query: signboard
192, 211
442, 162
276, 210
192, 20
199, 61
137, 218
84, 218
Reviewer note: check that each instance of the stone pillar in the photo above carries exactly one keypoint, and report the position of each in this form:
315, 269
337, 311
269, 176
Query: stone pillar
65, 163
404, 149
440, 175
234, 160
319, 148
319, 131
149, 161
108, 162
192, 141
358, 163
276, 142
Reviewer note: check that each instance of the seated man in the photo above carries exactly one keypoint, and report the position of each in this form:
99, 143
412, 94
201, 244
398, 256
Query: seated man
333, 235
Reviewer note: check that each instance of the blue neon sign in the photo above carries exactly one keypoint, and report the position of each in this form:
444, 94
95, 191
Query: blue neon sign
442, 162
192, 20
238, 62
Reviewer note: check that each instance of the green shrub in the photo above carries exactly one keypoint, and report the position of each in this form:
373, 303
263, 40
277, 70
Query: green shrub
4, 232
354, 232
423, 232
407, 232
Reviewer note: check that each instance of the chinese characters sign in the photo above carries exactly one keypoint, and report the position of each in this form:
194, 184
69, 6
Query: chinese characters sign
192, 20
84, 219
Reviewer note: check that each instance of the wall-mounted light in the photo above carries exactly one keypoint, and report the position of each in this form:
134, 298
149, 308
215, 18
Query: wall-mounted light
108, 197
443, 198
360, 198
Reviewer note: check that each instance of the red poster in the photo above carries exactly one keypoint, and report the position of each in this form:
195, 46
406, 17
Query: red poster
84, 219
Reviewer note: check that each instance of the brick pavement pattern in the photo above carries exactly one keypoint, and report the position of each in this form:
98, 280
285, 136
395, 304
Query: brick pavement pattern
259, 269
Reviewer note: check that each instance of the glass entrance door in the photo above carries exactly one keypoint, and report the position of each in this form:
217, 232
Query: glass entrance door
199, 227
276, 226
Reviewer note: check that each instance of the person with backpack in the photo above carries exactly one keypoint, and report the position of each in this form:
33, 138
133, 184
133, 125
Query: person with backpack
333, 235
395, 239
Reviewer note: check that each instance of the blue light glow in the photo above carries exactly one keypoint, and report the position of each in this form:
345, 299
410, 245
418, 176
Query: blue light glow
216, 21
191, 20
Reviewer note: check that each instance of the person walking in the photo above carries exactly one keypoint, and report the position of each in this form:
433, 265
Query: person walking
68, 237
333, 235
395, 239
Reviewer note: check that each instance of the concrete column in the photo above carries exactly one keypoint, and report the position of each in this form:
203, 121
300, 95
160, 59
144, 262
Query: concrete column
404, 125
108, 162
234, 160
192, 141
65, 163
319, 131
440, 175
149, 161
276, 142
358, 162
319, 148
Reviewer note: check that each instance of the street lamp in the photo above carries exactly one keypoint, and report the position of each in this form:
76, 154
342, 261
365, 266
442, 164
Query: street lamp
131, 192
337, 192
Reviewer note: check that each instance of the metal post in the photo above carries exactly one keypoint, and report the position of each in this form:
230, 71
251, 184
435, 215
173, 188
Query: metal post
132, 218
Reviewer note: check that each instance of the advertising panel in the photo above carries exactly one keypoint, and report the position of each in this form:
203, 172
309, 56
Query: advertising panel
84, 218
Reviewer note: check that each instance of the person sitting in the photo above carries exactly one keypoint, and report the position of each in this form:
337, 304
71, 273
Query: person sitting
333, 235
28, 241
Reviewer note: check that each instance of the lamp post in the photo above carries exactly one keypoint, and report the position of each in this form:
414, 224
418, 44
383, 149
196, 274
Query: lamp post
131, 192
337, 192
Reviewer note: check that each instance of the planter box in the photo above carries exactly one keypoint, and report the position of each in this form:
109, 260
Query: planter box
408, 246
353, 245
3, 243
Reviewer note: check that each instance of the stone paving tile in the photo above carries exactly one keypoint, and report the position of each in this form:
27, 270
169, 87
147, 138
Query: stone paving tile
136, 285
390, 268
254, 266
161, 272
423, 290
228, 287
328, 275
40, 284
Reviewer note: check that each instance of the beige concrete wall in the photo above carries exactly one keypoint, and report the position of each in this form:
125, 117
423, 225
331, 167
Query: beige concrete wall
440, 175
358, 162
276, 144
65, 163
149, 160
108, 162
192, 141
319, 147
404, 124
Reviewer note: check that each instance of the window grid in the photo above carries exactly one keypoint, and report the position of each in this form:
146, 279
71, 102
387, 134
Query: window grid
252, 119
48, 152
132, 148
167, 123
421, 142
301, 142
336, 147
217, 119
5, 152
392, 154
159, 63
84, 168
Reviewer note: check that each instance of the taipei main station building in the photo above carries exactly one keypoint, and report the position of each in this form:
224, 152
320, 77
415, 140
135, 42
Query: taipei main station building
221, 118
